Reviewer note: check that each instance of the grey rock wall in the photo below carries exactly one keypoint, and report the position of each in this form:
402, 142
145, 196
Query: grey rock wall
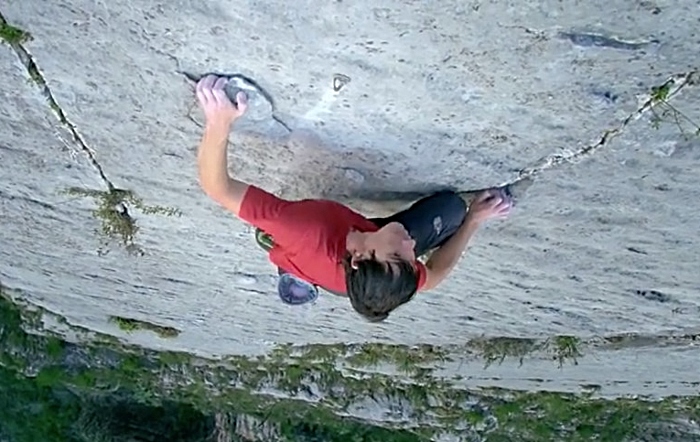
463, 94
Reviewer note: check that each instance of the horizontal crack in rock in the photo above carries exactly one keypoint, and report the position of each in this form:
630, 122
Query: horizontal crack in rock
588, 39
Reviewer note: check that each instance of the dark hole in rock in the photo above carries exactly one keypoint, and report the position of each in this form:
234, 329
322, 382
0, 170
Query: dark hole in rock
653, 295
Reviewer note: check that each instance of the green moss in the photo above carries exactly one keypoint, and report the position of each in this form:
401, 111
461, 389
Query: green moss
662, 111
130, 325
410, 360
173, 359
660, 93
419, 361
562, 349
50, 376
116, 221
498, 349
11, 34
130, 364
30, 412
127, 325
54, 347
566, 349
266, 387
553, 416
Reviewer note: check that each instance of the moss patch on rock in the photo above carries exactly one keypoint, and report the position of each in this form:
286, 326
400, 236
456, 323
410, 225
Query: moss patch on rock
11, 34
113, 212
130, 325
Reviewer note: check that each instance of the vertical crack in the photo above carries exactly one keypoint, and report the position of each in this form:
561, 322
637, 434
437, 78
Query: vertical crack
38, 78
112, 205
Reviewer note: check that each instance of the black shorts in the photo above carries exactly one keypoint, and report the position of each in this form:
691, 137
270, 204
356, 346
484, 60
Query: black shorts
430, 221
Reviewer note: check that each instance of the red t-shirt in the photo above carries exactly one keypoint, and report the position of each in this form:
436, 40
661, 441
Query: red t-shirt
309, 235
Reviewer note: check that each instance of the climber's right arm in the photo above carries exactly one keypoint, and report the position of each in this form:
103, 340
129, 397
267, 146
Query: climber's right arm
212, 161
250, 203
213, 169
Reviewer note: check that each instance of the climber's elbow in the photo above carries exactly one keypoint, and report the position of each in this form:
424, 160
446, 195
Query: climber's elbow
229, 195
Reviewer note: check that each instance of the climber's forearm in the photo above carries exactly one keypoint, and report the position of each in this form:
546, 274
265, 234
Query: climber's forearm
444, 259
213, 168
211, 158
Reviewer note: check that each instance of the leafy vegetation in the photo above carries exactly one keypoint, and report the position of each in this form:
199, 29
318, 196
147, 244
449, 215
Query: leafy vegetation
11, 34
113, 212
664, 112
57, 390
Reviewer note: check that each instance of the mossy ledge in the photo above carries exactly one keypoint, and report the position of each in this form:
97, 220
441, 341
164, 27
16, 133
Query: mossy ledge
306, 387
130, 325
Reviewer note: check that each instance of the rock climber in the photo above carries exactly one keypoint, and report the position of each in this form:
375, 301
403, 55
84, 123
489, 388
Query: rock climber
374, 262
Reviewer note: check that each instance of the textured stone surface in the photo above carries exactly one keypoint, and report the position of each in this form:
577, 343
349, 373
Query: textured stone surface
463, 94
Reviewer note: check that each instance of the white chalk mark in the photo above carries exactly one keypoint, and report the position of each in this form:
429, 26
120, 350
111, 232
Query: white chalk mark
322, 107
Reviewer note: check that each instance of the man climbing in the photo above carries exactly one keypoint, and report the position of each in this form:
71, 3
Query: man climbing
373, 262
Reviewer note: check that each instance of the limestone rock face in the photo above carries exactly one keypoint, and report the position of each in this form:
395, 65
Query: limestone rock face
99, 128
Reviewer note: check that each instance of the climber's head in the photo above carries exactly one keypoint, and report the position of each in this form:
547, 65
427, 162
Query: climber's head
380, 270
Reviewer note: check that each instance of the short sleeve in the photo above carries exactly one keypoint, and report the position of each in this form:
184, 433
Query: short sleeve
422, 274
262, 209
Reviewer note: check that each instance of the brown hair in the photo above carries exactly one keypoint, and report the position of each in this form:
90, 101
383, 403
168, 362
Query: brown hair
375, 288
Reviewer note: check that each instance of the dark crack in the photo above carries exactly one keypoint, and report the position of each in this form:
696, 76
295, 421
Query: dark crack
114, 203
38, 78
659, 94
670, 87
587, 39
26, 199
281, 122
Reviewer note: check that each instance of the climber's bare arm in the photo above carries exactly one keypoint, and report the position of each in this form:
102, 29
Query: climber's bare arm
444, 259
213, 169
486, 205
212, 160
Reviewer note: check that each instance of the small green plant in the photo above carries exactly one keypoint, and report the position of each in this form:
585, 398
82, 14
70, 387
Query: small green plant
664, 112
113, 212
498, 349
11, 34
566, 348
130, 325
